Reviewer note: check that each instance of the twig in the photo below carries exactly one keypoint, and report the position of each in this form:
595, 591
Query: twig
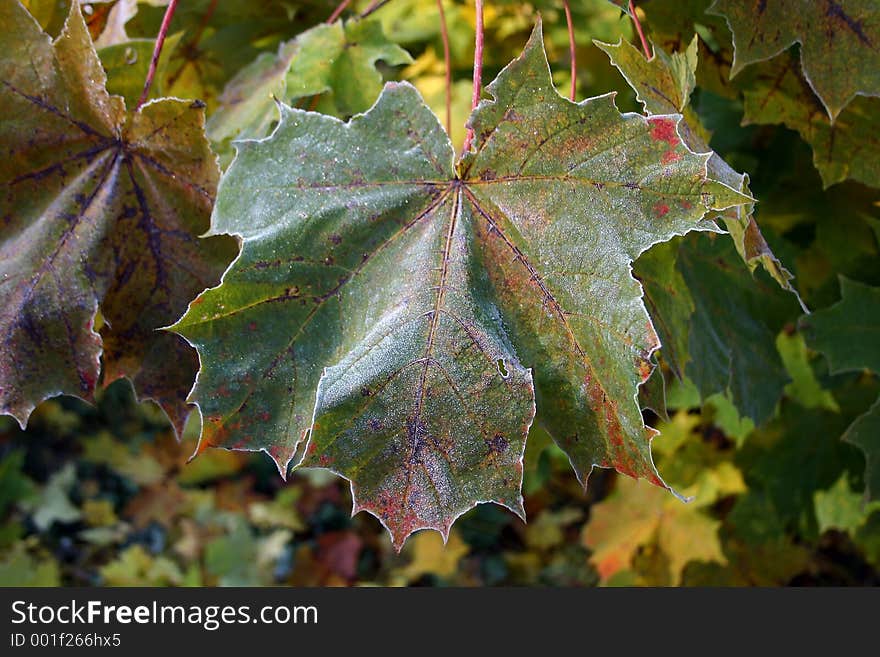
632, 13
157, 50
375, 6
478, 71
571, 48
447, 61
339, 9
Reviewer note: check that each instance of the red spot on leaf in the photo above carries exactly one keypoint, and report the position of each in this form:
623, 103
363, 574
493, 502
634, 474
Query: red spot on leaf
670, 156
687, 205
661, 209
664, 130
252, 326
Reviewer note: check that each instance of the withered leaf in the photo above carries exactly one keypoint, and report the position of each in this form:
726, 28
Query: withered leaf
100, 210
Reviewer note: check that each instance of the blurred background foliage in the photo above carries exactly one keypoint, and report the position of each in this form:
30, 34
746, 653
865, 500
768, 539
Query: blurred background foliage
105, 495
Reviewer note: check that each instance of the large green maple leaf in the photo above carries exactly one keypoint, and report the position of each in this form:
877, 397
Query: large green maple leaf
405, 313
840, 42
99, 211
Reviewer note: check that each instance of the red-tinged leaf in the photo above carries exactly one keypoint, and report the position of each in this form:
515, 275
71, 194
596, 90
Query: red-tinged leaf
406, 314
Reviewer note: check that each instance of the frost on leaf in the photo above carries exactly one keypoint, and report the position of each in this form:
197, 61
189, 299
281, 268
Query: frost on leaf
400, 315
99, 211
839, 42
663, 84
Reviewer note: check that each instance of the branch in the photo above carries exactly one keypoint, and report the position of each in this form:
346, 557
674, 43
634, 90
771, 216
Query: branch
645, 47
478, 71
157, 50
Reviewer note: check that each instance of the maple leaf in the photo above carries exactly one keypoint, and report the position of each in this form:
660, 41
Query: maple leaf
839, 42
635, 515
327, 58
796, 454
848, 148
99, 212
864, 433
431, 556
663, 84
405, 313
847, 333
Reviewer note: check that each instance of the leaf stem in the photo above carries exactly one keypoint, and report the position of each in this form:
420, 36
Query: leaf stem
635, 19
336, 12
447, 61
478, 71
571, 48
157, 50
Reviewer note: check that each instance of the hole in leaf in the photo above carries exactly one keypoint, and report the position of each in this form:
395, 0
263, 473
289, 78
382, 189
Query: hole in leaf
502, 370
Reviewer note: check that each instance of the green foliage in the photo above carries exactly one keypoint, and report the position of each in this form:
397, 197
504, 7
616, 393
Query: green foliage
504, 240
837, 38
398, 313
334, 61
775, 92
